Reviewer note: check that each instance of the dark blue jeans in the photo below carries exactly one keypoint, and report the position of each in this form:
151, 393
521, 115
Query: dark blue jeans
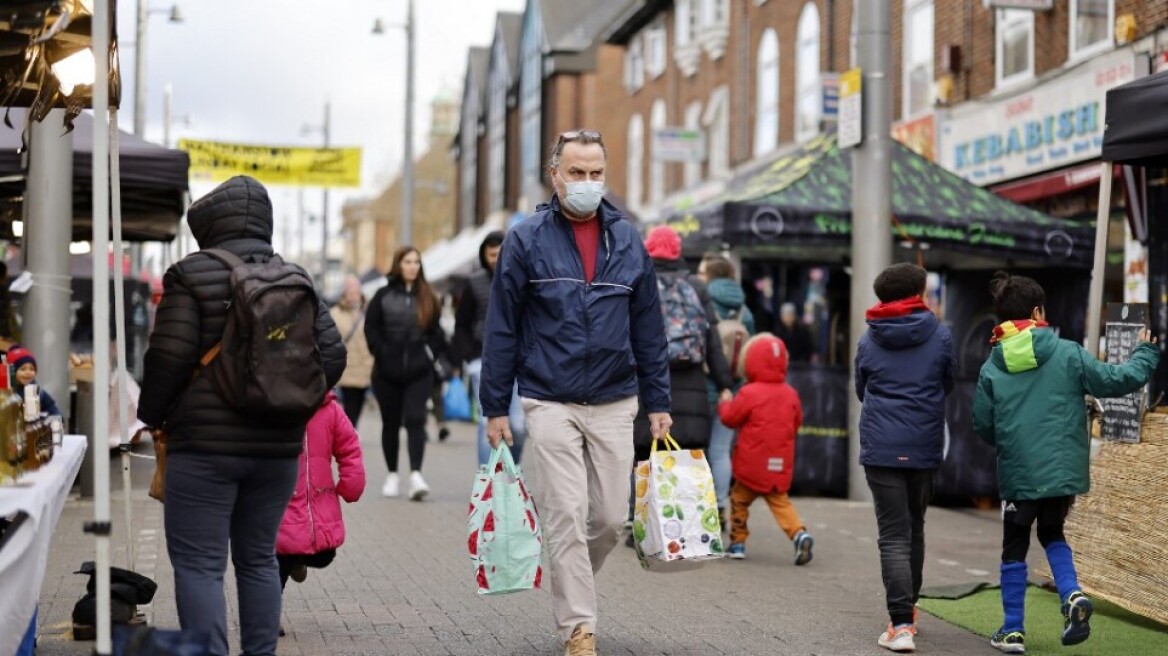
213, 501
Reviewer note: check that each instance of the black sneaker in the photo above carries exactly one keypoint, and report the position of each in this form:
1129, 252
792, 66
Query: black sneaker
803, 544
1076, 613
1013, 642
443, 434
299, 573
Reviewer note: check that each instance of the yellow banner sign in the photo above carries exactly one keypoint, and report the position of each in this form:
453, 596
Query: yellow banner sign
216, 161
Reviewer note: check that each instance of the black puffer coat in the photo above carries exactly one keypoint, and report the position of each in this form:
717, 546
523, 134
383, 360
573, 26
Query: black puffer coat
689, 403
236, 216
397, 342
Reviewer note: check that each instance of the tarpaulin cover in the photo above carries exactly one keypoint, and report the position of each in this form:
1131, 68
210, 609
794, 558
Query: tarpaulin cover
1136, 130
804, 199
154, 182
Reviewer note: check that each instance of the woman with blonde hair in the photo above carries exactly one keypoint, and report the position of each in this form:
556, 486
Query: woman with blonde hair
401, 328
349, 315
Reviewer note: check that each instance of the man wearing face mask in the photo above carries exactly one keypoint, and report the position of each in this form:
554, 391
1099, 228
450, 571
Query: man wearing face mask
575, 318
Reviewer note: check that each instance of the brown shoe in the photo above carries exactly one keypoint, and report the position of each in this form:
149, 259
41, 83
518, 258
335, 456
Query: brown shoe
581, 643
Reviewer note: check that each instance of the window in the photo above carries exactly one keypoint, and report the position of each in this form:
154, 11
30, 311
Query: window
808, 102
497, 128
655, 58
717, 122
530, 108
635, 65
715, 27
1015, 46
693, 121
636, 160
1091, 23
687, 51
766, 90
918, 58
468, 151
717, 12
658, 120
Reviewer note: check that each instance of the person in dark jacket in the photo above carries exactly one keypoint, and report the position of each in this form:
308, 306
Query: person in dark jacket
575, 318
401, 328
228, 477
794, 334
690, 408
467, 345
904, 371
1029, 406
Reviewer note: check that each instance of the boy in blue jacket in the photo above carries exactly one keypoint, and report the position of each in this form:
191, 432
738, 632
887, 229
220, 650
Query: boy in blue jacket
904, 371
1029, 406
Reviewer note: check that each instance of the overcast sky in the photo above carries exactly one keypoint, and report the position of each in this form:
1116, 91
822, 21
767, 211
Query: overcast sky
257, 71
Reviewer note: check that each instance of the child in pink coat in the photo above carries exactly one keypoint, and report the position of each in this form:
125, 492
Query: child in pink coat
313, 527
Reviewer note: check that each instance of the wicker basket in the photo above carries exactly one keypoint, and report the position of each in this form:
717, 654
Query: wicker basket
1119, 530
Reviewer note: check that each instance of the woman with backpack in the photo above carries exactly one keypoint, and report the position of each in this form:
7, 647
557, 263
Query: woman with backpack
735, 326
408, 345
695, 352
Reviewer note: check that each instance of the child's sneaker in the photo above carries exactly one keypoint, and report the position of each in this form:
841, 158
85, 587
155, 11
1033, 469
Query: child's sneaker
803, 544
1076, 613
299, 573
897, 638
737, 551
1013, 642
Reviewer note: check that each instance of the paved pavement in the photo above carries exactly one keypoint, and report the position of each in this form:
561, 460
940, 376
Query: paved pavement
402, 583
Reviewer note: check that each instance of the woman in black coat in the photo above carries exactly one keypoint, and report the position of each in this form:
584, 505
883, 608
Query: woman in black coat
401, 327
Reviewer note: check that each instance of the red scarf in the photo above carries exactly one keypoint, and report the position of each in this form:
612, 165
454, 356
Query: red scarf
893, 309
1011, 328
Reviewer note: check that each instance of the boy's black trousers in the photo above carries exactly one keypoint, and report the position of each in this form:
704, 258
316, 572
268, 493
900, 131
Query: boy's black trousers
901, 497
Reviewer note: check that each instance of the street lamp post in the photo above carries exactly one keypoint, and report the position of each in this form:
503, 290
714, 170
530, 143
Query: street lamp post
405, 233
326, 130
144, 13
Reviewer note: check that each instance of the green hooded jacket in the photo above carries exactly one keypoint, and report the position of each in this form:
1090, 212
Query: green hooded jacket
1029, 405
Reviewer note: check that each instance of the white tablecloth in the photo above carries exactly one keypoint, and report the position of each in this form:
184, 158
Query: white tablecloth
25, 555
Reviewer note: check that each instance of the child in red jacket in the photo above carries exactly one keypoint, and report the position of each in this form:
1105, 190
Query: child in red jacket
767, 414
313, 527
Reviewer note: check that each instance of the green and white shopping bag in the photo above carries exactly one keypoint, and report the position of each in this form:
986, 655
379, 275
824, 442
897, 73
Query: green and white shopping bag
504, 534
676, 525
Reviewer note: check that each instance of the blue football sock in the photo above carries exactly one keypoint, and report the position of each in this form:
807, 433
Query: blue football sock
1062, 565
1013, 596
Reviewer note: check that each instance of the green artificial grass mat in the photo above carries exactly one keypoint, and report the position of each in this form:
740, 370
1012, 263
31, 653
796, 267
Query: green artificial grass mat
1113, 629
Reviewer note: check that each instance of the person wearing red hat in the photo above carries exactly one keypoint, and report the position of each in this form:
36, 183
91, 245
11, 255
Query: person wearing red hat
25, 367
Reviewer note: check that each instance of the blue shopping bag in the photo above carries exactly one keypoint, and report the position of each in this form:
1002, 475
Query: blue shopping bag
457, 401
504, 534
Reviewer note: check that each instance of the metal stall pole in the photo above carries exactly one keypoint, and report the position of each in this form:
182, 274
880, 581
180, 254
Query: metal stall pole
120, 334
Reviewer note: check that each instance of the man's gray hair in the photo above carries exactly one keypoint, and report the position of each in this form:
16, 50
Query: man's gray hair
583, 136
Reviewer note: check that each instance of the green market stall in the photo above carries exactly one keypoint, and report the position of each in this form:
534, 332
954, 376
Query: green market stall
795, 212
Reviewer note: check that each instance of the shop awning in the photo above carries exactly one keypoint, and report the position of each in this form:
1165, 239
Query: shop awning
1136, 131
802, 202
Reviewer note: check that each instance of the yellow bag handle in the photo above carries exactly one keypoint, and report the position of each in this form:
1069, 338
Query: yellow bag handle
670, 443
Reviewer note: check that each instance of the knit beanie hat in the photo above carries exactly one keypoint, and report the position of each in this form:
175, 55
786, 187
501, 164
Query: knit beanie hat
663, 243
18, 355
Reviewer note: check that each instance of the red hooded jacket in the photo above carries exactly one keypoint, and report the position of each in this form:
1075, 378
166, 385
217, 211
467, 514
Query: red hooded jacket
313, 522
767, 414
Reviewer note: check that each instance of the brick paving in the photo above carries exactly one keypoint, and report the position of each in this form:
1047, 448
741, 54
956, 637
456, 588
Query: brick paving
402, 582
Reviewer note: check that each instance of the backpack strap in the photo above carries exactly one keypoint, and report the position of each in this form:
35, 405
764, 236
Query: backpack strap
225, 256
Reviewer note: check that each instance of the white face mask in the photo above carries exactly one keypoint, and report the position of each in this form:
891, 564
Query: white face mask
582, 198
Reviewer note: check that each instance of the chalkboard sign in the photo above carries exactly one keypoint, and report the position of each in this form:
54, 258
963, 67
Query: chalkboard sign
1121, 416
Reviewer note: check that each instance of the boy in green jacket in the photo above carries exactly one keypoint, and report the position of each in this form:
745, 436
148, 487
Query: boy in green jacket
1029, 406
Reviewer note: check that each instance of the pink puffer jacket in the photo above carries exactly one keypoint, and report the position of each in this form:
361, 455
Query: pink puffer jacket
313, 522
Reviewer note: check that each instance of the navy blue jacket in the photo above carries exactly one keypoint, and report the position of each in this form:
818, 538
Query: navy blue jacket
904, 370
566, 340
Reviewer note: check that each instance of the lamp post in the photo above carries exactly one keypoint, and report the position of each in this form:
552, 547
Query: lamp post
405, 233
144, 12
325, 129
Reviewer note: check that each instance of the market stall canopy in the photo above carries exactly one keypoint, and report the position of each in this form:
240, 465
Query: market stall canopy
1136, 131
801, 204
154, 182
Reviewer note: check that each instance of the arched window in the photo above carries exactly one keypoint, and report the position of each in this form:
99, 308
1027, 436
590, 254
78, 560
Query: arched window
693, 121
808, 101
657, 121
766, 90
634, 177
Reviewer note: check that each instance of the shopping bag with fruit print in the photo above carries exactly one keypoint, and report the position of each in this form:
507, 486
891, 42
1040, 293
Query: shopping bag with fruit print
675, 521
504, 538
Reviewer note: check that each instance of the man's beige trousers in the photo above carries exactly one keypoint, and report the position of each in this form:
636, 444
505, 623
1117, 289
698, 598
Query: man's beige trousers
583, 456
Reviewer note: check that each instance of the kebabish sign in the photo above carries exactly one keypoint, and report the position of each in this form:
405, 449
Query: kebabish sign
1122, 416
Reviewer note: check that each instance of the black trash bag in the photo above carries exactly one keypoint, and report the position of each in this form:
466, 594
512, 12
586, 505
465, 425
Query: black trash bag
149, 641
131, 587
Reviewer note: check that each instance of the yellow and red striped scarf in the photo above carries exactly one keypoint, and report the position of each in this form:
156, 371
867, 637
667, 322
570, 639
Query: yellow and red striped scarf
1008, 329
